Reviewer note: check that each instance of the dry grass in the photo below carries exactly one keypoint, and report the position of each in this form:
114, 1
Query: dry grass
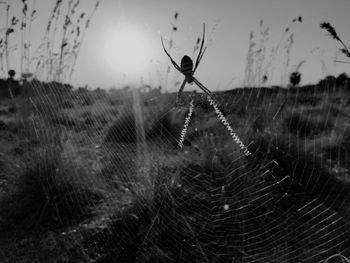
49, 193
173, 206
85, 177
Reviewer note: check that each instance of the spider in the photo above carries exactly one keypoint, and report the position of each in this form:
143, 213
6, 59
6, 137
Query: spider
186, 68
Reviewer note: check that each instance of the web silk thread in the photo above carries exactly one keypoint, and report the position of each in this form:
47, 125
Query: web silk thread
228, 126
187, 121
223, 120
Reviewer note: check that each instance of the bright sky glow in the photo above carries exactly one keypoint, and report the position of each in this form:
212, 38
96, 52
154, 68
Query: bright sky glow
126, 49
122, 45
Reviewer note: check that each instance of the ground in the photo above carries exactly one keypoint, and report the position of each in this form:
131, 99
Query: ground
94, 176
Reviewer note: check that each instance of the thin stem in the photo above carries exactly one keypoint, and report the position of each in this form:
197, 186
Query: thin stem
63, 43
6, 36
29, 33
82, 39
345, 47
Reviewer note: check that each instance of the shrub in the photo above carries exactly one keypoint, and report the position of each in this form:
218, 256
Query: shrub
341, 79
123, 130
67, 104
340, 152
305, 100
3, 126
295, 78
198, 212
302, 170
304, 126
50, 192
166, 127
65, 120
124, 237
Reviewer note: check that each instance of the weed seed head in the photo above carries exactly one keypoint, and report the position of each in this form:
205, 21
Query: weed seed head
331, 30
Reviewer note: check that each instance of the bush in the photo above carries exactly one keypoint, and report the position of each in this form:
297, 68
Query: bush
199, 212
302, 172
123, 130
86, 101
305, 100
304, 126
66, 121
295, 78
3, 126
67, 104
165, 127
340, 152
48, 193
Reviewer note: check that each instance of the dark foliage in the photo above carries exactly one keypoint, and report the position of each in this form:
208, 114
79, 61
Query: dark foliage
67, 104
186, 220
340, 153
48, 194
123, 239
11, 73
65, 121
305, 126
165, 128
295, 78
124, 130
304, 99
3, 126
304, 172
327, 84
341, 79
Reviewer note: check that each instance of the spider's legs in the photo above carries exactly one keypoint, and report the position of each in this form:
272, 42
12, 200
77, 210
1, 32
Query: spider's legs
178, 96
202, 87
201, 51
172, 61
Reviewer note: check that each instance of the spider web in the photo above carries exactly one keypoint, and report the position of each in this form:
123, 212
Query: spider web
123, 183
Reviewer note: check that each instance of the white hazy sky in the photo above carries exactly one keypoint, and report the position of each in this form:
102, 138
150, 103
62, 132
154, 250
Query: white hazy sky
122, 45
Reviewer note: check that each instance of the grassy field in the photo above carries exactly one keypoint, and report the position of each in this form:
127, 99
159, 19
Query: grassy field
98, 176
95, 176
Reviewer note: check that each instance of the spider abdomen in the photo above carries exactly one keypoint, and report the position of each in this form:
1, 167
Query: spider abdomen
186, 65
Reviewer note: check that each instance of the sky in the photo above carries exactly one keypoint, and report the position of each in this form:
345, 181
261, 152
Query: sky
122, 44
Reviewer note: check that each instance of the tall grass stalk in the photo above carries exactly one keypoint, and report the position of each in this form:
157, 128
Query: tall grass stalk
173, 30
7, 33
78, 42
26, 27
331, 30
260, 67
67, 22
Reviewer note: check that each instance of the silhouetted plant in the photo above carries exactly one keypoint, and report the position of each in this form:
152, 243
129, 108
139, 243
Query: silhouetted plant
50, 192
331, 30
259, 66
295, 78
11, 73
327, 84
264, 79
330, 82
341, 79
12, 85
174, 28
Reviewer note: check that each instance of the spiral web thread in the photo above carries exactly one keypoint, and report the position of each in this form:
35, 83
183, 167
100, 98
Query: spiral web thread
138, 198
